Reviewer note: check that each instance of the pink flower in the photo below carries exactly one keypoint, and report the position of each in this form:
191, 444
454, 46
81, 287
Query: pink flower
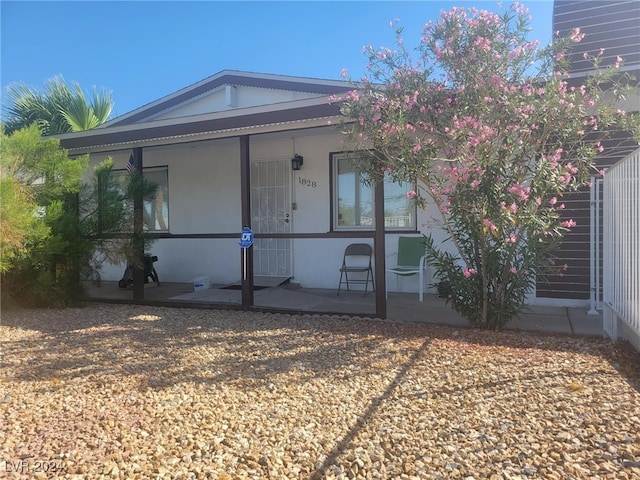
343, 73
576, 36
513, 208
352, 95
475, 183
488, 224
468, 272
411, 194
482, 43
514, 270
521, 191
569, 223
553, 200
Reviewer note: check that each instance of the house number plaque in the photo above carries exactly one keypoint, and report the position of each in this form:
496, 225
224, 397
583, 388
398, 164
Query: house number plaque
307, 183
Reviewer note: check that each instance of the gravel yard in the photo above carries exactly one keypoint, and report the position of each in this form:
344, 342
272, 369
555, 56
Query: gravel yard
115, 391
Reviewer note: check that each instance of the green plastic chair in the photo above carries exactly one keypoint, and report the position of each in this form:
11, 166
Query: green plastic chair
411, 260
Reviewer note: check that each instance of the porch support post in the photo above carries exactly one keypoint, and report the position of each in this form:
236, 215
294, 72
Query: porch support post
246, 259
379, 252
138, 230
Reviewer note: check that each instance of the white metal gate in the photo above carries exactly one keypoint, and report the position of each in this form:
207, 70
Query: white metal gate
622, 245
271, 213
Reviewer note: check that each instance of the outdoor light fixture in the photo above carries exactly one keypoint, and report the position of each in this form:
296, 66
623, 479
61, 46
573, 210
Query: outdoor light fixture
296, 162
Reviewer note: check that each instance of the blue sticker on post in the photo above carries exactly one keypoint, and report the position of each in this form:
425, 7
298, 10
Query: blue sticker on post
246, 240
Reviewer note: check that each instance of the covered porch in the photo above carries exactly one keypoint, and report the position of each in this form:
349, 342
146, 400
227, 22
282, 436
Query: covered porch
222, 156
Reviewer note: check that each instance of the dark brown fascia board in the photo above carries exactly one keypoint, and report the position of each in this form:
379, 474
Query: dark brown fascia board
105, 137
320, 87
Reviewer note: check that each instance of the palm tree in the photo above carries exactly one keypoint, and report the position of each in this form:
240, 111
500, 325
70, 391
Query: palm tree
58, 109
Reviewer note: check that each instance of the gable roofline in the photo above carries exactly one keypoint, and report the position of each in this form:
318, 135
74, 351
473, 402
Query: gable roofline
231, 77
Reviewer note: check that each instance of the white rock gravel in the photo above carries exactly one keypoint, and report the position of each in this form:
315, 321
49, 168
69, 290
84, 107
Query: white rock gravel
113, 391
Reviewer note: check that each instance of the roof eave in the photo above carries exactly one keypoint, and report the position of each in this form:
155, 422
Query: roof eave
289, 115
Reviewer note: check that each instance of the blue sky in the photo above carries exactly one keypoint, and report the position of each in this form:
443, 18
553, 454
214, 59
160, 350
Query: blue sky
142, 51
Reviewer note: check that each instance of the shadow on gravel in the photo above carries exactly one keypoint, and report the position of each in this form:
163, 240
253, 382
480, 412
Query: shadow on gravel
374, 406
151, 342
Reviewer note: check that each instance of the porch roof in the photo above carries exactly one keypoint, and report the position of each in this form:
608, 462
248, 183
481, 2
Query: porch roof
299, 114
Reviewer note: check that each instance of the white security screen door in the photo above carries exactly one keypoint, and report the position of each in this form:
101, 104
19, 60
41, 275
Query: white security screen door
271, 213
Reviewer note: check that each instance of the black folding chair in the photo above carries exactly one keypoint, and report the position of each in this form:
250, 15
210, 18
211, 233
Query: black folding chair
357, 260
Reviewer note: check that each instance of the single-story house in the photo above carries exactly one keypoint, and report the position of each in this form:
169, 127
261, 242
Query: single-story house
223, 151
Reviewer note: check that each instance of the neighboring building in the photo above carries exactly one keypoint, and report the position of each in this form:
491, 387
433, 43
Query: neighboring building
615, 27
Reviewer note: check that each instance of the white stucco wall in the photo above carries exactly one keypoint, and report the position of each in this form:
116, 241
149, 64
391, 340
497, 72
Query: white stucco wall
204, 198
204, 185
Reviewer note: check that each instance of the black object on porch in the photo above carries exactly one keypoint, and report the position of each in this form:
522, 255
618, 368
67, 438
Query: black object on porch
149, 272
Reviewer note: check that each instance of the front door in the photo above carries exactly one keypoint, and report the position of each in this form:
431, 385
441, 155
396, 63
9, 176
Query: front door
271, 213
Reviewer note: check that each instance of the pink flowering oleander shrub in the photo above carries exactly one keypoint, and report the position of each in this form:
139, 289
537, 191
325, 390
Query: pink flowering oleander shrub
487, 124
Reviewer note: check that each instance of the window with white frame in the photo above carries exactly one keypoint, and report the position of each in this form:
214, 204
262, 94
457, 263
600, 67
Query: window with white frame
155, 212
353, 199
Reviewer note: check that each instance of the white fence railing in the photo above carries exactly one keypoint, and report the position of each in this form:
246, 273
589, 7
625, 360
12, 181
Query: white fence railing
622, 246
595, 241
